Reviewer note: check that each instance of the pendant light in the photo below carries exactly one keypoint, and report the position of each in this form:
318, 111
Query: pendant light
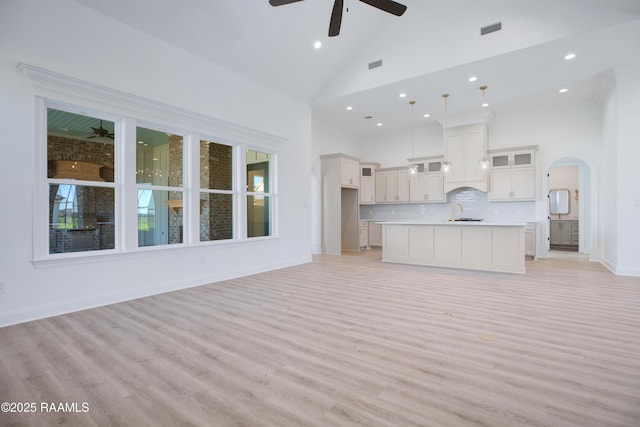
413, 169
484, 162
446, 165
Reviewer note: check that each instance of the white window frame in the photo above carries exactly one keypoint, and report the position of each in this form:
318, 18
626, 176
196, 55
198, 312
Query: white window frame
272, 194
54, 90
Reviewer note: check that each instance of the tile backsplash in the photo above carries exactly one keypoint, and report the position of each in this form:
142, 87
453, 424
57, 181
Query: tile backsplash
475, 205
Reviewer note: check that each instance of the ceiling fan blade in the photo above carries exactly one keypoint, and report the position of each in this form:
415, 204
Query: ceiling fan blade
389, 6
336, 18
282, 2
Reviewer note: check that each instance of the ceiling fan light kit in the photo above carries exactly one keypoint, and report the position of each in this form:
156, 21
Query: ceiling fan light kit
388, 6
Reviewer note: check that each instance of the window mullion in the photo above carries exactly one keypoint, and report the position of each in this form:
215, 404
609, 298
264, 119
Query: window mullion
127, 196
191, 184
240, 214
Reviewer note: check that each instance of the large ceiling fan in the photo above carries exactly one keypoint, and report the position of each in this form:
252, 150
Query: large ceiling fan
100, 132
389, 6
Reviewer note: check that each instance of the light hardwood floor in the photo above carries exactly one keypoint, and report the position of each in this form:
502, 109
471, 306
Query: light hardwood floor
344, 341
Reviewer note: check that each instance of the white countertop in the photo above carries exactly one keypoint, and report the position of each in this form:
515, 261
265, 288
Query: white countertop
444, 222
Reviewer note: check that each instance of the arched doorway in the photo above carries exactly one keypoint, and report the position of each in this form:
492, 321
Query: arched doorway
572, 230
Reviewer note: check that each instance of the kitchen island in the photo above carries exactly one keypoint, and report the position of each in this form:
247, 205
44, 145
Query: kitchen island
489, 246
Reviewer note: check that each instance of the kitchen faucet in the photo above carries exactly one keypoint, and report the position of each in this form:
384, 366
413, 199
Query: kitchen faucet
453, 207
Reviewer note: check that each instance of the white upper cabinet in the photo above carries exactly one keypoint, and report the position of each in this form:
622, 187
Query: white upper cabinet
465, 147
392, 185
367, 182
349, 172
512, 174
380, 187
428, 185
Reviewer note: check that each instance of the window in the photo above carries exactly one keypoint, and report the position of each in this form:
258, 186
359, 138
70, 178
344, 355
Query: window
259, 198
159, 177
216, 191
80, 176
110, 181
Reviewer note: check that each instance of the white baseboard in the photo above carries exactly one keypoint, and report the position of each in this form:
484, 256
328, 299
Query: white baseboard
620, 271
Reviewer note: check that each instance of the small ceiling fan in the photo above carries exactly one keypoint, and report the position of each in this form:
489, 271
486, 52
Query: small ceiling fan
389, 6
100, 132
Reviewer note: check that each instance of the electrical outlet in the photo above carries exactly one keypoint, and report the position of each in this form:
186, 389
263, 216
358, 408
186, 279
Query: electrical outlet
1, 288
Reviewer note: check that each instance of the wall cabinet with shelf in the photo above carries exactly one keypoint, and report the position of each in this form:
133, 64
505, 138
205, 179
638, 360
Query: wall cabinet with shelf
428, 185
512, 174
367, 182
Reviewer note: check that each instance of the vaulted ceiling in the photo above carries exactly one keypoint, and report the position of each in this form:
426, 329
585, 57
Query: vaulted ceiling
432, 49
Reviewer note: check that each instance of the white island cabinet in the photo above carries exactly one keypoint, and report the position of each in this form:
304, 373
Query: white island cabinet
469, 245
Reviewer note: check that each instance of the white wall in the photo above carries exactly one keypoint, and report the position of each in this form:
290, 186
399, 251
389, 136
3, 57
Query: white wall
609, 179
67, 38
326, 140
394, 149
627, 200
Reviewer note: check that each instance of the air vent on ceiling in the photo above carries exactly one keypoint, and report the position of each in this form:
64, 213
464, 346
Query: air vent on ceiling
368, 117
375, 64
491, 28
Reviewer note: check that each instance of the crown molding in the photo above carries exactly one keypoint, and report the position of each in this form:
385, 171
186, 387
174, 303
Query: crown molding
62, 88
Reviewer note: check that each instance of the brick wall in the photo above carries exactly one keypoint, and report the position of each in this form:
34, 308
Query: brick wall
216, 172
62, 148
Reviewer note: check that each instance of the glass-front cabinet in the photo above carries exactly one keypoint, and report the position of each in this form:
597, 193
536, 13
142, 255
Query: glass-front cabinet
512, 175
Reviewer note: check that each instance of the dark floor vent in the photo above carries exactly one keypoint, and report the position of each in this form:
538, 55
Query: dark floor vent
491, 28
375, 64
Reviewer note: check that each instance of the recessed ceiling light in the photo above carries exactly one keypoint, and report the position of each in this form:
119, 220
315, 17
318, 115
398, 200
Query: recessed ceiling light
349, 108
378, 124
140, 142
472, 79
569, 56
427, 115
317, 44
563, 90
485, 104
403, 95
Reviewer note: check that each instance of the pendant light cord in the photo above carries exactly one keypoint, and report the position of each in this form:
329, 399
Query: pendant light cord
445, 96
412, 130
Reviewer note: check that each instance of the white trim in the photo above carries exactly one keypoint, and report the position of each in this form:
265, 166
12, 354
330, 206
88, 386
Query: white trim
125, 164
191, 183
52, 85
40, 214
